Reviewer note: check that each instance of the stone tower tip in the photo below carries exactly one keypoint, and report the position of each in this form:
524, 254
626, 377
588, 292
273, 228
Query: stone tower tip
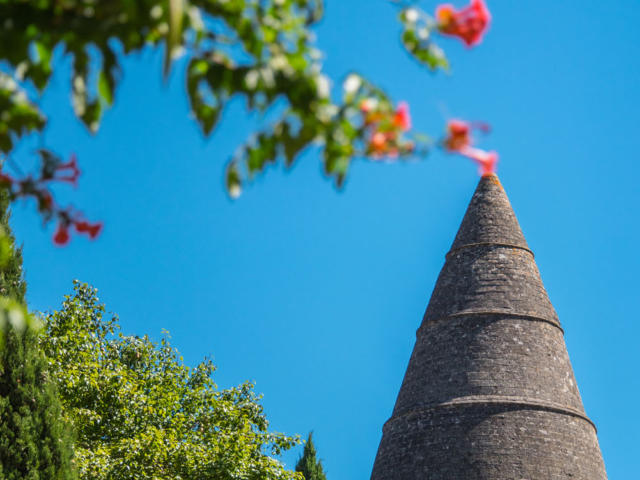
489, 218
489, 393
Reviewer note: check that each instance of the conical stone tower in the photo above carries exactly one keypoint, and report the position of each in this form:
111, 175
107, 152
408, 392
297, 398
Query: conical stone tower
489, 393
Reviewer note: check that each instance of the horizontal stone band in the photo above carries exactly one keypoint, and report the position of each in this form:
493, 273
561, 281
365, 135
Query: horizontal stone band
527, 403
487, 244
483, 313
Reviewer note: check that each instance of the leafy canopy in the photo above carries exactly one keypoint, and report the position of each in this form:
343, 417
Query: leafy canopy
140, 413
262, 50
259, 49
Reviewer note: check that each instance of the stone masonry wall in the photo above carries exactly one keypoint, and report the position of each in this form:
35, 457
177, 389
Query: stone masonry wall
489, 393
488, 442
488, 355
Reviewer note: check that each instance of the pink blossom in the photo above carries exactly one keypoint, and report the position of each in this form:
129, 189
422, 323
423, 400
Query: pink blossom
469, 24
402, 118
486, 160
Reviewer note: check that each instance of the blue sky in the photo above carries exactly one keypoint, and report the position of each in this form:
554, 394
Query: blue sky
315, 294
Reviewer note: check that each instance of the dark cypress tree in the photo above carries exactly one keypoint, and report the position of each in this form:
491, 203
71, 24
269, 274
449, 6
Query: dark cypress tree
34, 443
12, 283
310, 467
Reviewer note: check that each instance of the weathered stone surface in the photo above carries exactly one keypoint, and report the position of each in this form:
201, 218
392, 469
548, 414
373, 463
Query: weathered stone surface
489, 218
490, 278
489, 392
488, 355
488, 442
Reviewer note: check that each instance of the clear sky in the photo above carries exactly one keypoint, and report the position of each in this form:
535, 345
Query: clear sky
316, 294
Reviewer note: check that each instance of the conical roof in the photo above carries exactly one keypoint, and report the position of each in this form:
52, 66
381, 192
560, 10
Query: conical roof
489, 392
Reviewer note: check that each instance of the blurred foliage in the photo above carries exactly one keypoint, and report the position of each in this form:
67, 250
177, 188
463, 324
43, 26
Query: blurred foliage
18, 116
417, 38
262, 50
12, 282
139, 412
13, 314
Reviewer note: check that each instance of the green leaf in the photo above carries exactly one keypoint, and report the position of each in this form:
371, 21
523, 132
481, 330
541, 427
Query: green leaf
105, 88
233, 181
44, 52
174, 36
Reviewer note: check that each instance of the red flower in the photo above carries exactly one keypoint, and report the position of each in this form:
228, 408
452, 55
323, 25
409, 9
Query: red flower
72, 163
468, 24
378, 144
486, 160
92, 229
458, 135
384, 128
62, 235
459, 140
402, 119
378, 141
72, 176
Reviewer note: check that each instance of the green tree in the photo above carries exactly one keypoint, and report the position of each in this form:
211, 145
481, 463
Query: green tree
140, 413
308, 465
34, 443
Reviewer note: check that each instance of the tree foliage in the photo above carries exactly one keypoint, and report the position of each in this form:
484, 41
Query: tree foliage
12, 283
139, 412
13, 314
34, 441
308, 464
260, 50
